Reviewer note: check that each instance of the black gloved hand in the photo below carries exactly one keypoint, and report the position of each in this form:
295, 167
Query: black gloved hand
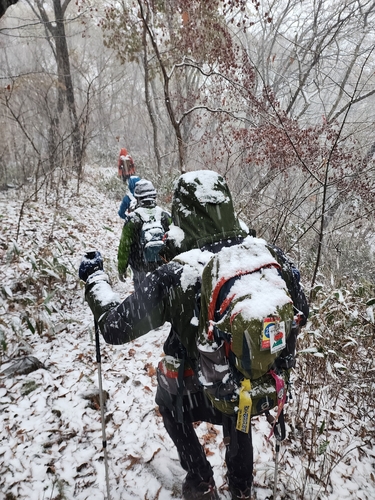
91, 262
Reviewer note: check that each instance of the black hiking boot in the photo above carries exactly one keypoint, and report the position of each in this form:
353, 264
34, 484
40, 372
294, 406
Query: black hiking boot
203, 491
238, 494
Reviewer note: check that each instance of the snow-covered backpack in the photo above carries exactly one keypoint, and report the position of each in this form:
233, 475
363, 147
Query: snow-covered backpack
152, 234
246, 319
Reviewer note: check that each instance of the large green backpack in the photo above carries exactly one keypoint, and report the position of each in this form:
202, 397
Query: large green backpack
246, 318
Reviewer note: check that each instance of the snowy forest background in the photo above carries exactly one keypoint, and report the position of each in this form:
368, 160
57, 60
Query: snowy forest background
276, 96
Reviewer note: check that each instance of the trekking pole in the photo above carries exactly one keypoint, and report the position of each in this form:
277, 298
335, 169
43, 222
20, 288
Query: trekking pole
277, 447
104, 437
279, 433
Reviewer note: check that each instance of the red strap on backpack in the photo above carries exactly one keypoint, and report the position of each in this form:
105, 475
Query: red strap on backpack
281, 397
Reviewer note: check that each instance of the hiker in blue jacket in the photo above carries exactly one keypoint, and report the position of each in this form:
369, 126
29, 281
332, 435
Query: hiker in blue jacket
128, 199
204, 222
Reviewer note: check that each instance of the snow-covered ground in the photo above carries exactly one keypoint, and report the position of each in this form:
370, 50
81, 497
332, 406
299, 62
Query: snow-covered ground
51, 435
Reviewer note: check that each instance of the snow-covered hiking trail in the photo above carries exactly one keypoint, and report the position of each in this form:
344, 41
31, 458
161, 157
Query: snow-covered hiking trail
51, 439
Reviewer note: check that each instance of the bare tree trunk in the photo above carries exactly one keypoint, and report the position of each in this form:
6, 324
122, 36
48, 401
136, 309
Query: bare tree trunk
60, 50
63, 66
150, 108
321, 230
167, 98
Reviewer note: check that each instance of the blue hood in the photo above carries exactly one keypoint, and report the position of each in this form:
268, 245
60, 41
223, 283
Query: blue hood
132, 182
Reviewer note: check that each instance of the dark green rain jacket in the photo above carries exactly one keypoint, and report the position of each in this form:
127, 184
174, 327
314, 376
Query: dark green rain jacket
203, 216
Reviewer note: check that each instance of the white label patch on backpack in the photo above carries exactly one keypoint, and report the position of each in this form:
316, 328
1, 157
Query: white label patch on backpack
277, 336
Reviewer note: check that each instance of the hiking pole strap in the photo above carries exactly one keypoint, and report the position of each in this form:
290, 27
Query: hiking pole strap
281, 399
280, 432
277, 424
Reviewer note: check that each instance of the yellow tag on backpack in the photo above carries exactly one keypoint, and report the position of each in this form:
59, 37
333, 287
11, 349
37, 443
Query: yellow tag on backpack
244, 407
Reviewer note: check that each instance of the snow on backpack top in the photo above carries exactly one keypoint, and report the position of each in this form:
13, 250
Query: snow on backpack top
152, 233
246, 316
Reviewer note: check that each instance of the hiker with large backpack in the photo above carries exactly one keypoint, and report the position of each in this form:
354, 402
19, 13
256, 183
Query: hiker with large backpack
128, 202
142, 234
201, 298
125, 165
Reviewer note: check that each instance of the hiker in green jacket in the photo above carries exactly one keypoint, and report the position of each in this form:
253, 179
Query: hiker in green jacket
204, 222
142, 234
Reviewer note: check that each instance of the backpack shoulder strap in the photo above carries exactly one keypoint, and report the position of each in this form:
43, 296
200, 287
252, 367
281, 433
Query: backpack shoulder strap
138, 217
147, 214
158, 211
